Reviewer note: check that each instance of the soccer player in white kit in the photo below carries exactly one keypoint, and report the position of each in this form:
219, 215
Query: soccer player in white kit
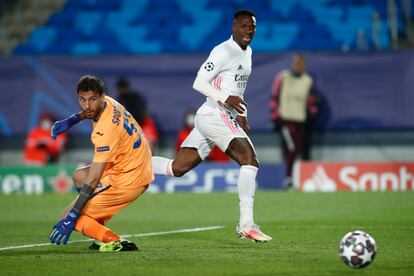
222, 119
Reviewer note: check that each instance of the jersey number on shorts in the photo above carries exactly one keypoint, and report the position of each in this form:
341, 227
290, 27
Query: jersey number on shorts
131, 129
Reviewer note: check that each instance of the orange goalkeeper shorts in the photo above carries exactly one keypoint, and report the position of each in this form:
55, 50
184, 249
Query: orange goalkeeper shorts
106, 201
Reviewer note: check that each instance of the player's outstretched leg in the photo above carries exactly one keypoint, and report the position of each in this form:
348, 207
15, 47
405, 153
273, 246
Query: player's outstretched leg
162, 166
186, 160
108, 240
246, 189
115, 246
252, 232
127, 245
241, 150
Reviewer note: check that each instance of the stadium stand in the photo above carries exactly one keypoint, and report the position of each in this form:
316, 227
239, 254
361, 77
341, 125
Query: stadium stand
96, 27
18, 19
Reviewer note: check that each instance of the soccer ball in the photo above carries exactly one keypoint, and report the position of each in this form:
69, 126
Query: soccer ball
357, 249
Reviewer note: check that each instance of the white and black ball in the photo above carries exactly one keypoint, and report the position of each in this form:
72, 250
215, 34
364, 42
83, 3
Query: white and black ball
357, 249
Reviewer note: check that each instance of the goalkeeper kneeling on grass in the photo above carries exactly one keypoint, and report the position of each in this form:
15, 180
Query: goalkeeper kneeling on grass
119, 174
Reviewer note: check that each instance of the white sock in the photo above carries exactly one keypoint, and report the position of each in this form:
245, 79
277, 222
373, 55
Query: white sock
246, 186
162, 166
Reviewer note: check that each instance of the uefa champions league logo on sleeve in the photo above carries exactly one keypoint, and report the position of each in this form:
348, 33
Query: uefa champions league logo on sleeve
209, 66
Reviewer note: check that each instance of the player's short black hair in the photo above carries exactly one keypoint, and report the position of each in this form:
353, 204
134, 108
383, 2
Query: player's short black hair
92, 83
243, 12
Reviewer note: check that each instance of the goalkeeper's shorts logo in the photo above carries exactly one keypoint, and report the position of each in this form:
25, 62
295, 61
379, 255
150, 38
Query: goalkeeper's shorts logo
100, 188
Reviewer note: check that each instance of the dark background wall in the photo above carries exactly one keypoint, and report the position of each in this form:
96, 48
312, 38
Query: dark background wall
359, 91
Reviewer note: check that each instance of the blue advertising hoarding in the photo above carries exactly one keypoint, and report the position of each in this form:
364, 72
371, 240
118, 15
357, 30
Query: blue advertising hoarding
210, 177
207, 177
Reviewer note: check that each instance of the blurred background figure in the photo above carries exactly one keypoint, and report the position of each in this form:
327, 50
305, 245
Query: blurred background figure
291, 104
40, 148
136, 104
188, 125
216, 155
312, 116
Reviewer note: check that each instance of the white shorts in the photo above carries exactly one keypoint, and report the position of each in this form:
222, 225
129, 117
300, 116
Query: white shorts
213, 128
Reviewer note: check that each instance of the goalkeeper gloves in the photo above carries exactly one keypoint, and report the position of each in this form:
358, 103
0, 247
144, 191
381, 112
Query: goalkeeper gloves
64, 125
63, 229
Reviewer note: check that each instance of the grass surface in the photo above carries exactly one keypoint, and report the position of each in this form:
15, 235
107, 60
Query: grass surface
306, 230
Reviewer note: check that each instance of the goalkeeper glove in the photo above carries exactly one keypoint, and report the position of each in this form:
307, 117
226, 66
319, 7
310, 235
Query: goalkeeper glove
63, 229
64, 125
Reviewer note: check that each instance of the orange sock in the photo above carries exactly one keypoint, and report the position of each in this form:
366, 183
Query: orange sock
93, 229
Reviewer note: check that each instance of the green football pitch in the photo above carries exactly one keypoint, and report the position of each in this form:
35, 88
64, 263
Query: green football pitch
306, 230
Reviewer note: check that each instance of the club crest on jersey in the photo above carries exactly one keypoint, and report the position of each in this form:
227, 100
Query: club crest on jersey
209, 66
102, 149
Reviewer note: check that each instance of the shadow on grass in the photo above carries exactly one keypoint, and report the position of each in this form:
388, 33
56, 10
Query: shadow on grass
39, 253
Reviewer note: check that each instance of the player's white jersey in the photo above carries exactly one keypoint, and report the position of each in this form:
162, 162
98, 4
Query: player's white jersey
228, 69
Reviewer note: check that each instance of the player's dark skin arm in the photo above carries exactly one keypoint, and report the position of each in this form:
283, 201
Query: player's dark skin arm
237, 104
234, 102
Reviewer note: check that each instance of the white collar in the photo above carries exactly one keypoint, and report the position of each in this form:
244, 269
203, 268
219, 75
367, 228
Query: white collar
235, 45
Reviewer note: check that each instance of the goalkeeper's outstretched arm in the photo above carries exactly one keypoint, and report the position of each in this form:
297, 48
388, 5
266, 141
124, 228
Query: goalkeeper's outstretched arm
64, 125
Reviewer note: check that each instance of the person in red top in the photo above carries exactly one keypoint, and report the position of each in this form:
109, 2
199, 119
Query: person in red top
150, 130
40, 148
216, 155
185, 131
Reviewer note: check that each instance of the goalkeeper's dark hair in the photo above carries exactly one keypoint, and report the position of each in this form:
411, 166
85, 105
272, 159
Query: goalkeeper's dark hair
92, 83
243, 12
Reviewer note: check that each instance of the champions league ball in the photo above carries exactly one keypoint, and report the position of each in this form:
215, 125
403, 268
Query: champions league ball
357, 249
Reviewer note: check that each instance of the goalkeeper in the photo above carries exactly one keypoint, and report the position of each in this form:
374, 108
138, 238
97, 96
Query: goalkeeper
120, 171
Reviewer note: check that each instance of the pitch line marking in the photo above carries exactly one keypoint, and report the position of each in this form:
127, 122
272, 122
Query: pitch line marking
361, 227
198, 229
